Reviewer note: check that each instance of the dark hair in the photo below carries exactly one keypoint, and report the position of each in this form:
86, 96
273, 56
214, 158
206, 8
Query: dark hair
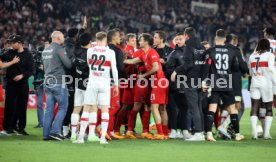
230, 37
220, 33
162, 35
190, 31
147, 37
270, 31
179, 33
100, 36
72, 32
203, 43
85, 39
263, 46
111, 34
130, 35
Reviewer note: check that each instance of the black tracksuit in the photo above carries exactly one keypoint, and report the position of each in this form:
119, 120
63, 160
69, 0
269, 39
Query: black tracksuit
194, 61
178, 118
17, 93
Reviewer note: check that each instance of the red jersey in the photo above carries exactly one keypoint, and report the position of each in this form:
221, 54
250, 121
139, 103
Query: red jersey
129, 52
149, 58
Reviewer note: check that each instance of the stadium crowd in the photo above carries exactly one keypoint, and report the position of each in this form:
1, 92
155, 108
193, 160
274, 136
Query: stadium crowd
73, 45
36, 19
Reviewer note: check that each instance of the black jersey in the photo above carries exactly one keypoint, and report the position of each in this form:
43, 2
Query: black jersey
82, 69
221, 61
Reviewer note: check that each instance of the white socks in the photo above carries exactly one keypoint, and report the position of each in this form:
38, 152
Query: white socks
83, 124
74, 123
92, 123
268, 122
65, 130
104, 124
254, 120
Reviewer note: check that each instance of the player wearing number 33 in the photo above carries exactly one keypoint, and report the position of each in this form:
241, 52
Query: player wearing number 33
100, 60
221, 60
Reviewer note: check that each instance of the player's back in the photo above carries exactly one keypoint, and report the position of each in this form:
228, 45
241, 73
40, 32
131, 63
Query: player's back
272, 46
99, 60
260, 66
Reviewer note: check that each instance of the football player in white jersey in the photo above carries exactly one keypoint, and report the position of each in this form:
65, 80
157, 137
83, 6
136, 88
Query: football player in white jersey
100, 60
262, 71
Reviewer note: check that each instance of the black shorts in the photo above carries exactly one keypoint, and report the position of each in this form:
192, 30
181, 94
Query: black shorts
227, 97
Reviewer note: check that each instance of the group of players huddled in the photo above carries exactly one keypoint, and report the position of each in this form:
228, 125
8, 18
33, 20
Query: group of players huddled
186, 87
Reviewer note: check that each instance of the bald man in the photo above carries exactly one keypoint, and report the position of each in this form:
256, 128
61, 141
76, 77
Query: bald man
55, 61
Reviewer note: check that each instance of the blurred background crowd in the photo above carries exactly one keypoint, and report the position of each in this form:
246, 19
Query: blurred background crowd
36, 19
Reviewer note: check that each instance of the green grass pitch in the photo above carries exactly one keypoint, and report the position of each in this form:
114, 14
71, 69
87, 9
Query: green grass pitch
32, 148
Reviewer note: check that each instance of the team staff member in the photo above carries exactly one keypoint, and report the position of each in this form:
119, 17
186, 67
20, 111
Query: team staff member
17, 89
192, 69
55, 61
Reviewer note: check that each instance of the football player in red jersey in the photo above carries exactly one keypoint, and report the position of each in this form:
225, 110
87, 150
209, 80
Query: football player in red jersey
159, 85
127, 98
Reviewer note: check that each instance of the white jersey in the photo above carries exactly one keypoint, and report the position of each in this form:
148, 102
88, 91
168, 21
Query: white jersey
261, 68
272, 46
100, 61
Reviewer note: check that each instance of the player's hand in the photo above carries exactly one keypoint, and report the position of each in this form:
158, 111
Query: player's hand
40, 67
84, 25
162, 61
173, 76
204, 87
116, 91
15, 60
140, 76
18, 77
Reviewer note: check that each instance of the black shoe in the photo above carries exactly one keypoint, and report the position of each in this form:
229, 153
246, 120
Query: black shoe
22, 133
38, 126
55, 136
68, 136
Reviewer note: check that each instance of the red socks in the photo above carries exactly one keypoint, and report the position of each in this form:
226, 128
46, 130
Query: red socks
120, 119
112, 117
165, 130
159, 129
145, 121
132, 119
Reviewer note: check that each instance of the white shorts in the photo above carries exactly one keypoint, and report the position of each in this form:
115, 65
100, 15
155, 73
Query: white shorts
265, 93
97, 93
79, 97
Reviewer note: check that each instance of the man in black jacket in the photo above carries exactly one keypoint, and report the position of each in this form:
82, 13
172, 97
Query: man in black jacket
17, 89
177, 118
191, 70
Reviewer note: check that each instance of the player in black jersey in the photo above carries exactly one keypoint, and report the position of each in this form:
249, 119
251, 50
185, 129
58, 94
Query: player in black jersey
222, 61
82, 74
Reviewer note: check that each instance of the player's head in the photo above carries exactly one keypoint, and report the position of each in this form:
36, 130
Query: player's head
205, 44
113, 36
269, 33
159, 38
57, 37
16, 41
263, 46
72, 32
145, 40
131, 39
85, 39
122, 37
232, 39
189, 32
220, 36
180, 39
101, 38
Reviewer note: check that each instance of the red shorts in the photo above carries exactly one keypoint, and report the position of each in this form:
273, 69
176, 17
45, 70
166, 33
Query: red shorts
128, 98
141, 94
159, 93
114, 101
